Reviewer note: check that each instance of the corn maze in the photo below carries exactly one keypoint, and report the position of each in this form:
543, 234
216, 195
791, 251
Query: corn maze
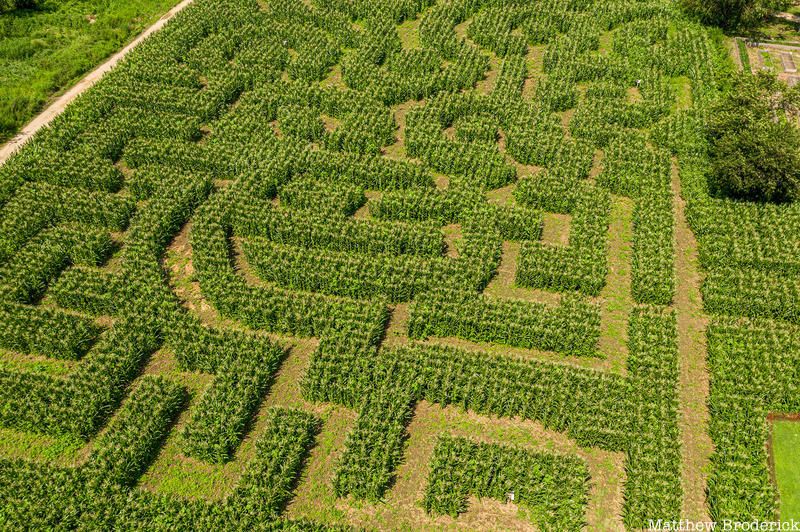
311, 265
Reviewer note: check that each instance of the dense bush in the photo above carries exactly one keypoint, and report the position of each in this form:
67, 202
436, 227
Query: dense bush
9, 5
734, 14
755, 146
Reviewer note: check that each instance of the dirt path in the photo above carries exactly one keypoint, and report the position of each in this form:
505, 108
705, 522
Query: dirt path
779, 47
789, 16
694, 381
58, 106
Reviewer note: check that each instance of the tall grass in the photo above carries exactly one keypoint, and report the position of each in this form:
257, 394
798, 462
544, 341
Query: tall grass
43, 51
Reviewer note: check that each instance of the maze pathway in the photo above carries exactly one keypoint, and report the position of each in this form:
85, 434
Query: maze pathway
392, 265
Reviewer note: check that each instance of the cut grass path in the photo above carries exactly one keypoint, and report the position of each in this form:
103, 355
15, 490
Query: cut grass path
696, 445
402, 510
616, 298
58, 106
409, 34
785, 446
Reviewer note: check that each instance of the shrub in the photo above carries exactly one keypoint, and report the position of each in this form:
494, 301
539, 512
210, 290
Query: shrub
734, 14
755, 147
10, 5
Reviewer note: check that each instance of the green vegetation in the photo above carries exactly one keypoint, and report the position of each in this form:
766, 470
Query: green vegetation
734, 14
745, 56
755, 142
47, 45
785, 443
779, 28
278, 219
554, 486
10, 5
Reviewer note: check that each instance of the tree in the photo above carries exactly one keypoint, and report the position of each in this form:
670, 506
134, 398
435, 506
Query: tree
755, 141
10, 5
734, 14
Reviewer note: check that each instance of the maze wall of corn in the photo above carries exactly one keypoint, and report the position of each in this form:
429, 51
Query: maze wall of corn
393, 264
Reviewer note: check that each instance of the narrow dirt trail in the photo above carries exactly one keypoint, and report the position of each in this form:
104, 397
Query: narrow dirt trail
694, 379
58, 106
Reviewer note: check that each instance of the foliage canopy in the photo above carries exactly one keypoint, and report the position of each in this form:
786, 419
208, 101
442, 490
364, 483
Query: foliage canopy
755, 142
734, 14
8, 5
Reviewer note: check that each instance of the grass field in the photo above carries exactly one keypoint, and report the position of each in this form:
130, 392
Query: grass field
780, 31
785, 446
44, 51
393, 265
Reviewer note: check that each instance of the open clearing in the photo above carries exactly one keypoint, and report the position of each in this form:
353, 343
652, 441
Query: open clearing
785, 443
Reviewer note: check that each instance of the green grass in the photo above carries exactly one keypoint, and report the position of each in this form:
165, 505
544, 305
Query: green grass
777, 29
38, 448
409, 34
769, 62
44, 51
786, 445
34, 364
744, 56
606, 42
683, 90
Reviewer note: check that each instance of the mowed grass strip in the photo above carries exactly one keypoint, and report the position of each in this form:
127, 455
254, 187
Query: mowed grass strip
785, 448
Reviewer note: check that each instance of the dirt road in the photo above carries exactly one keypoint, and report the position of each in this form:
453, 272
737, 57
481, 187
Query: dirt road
58, 106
